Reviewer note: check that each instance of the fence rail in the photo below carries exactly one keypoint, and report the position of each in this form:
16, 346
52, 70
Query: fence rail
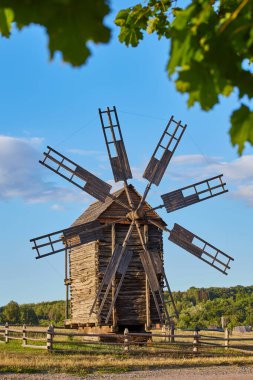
52, 339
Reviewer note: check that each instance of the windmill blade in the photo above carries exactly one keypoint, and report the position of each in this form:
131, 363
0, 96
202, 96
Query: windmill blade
200, 248
111, 270
195, 193
115, 144
75, 174
59, 241
164, 151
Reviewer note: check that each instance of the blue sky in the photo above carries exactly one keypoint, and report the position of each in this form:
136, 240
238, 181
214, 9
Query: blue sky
49, 103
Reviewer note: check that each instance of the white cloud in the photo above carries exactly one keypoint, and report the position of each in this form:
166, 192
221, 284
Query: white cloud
115, 185
245, 192
137, 173
237, 170
21, 175
191, 159
238, 174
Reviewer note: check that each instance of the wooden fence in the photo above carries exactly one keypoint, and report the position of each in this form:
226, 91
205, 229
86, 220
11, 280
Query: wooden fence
192, 342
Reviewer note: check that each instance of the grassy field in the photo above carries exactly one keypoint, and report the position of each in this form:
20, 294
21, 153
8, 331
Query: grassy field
15, 359
112, 359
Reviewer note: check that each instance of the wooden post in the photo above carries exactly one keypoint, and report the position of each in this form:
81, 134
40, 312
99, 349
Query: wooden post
172, 331
6, 332
50, 334
226, 343
148, 320
126, 340
24, 341
114, 311
66, 282
196, 342
164, 333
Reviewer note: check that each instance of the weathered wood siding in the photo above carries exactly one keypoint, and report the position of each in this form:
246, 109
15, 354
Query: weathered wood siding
131, 302
84, 278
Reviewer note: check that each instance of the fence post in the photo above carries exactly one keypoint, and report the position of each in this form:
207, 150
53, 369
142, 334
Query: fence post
6, 332
50, 334
226, 343
196, 342
172, 331
164, 332
24, 341
126, 340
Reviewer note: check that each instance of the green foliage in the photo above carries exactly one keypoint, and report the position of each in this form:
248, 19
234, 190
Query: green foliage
151, 18
211, 51
6, 18
204, 307
42, 313
28, 315
11, 312
69, 24
242, 127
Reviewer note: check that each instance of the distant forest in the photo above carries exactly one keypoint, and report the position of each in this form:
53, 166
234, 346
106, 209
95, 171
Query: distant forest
202, 307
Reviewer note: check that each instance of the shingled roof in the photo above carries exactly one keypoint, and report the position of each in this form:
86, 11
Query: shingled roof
96, 209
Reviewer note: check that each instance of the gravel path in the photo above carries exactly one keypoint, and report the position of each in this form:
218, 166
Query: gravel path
210, 373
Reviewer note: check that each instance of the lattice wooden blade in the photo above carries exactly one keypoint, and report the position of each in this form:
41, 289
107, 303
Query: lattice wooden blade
195, 193
58, 241
164, 151
75, 174
200, 248
115, 144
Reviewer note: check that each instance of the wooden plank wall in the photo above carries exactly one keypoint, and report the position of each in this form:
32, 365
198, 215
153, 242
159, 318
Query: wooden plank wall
131, 302
84, 281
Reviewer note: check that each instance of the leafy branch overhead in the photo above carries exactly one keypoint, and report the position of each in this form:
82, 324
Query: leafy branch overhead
69, 24
211, 49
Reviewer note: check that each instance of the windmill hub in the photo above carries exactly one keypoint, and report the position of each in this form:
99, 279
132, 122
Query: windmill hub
135, 215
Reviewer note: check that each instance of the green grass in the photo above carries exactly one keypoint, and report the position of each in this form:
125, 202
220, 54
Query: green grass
94, 359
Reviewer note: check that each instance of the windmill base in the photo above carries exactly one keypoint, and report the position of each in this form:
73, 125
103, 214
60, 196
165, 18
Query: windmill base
111, 332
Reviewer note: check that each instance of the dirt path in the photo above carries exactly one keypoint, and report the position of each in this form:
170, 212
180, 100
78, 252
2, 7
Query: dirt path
210, 373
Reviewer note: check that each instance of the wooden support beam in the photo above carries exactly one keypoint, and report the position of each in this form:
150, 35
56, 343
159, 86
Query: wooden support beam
148, 320
66, 282
114, 311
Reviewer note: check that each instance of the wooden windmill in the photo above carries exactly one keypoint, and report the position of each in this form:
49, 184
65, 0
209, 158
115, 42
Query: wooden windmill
114, 250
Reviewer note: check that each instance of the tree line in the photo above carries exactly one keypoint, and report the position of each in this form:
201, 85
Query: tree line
42, 313
202, 307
